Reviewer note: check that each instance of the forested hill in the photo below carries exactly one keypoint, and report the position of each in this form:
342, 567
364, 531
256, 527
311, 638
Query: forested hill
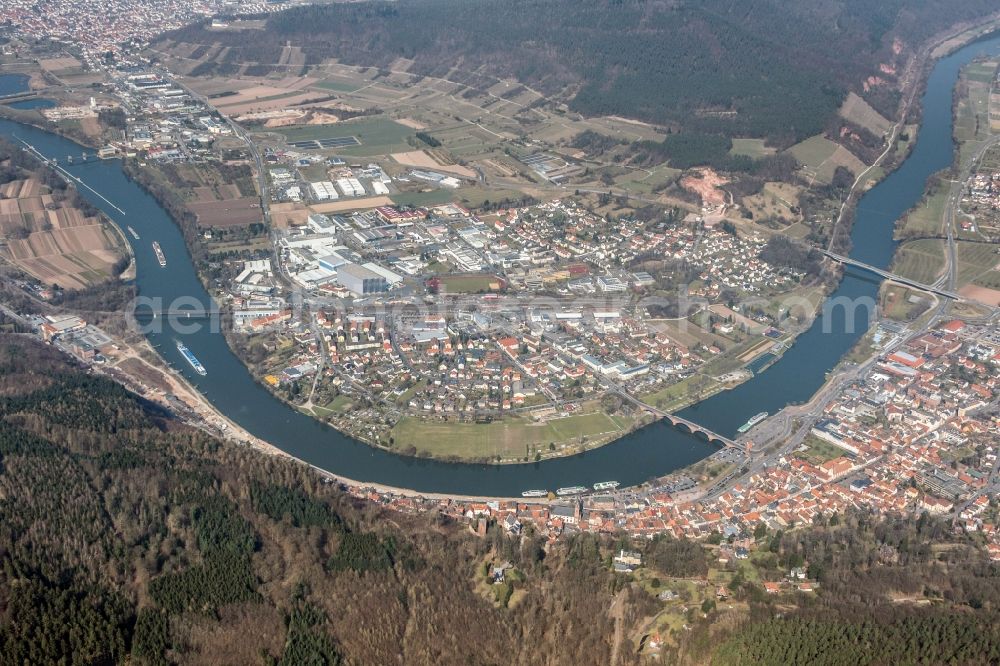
766, 68
126, 538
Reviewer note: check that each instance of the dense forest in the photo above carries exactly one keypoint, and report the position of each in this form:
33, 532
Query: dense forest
765, 68
124, 535
127, 537
894, 591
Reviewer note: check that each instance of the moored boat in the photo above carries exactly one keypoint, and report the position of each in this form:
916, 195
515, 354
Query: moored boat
754, 420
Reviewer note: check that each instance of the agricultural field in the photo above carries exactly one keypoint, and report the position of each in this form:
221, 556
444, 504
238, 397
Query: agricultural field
228, 212
375, 135
979, 263
995, 111
754, 148
776, 200
69, 71
55, 243
859, 112
820, 157
979, 272
423, 159
350, 204
337, 85
474, 126
920, 260
219, 195
927, 218
972, 113
990, 161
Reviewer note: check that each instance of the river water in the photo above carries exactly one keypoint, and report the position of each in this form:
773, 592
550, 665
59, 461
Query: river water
653, 451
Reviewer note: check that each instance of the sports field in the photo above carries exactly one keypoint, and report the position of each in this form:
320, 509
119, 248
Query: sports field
469, 284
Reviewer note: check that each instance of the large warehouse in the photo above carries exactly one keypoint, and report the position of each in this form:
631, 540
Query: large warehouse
361, 280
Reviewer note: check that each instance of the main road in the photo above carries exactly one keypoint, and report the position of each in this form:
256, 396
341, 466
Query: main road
790, 427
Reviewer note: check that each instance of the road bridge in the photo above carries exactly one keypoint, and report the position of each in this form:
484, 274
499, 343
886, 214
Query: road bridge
839, 258
678, 421
175, 313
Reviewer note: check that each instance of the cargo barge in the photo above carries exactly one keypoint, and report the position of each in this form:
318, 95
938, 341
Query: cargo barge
191, 358
159, 254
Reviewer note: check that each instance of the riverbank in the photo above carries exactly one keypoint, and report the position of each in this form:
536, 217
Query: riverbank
652, 451
864, 351
36, 119
904, 117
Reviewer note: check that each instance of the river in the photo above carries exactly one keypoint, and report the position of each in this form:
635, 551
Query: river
652, 451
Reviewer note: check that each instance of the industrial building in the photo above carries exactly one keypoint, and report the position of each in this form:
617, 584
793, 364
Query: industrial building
351, 187
323, 191
361, 280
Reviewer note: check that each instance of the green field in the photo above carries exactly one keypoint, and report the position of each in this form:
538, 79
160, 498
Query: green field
982, 72
820, 157
819, 451
751, 148
431, 198
977, 262
472, 197
467, 284
897, 304
859, 112
910, 132
378, 135
338, 86
682, 393
645, 181
466, 139
920, 260
511, 437
972, 122
926, 219
338, 405
814, 151
990, 161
